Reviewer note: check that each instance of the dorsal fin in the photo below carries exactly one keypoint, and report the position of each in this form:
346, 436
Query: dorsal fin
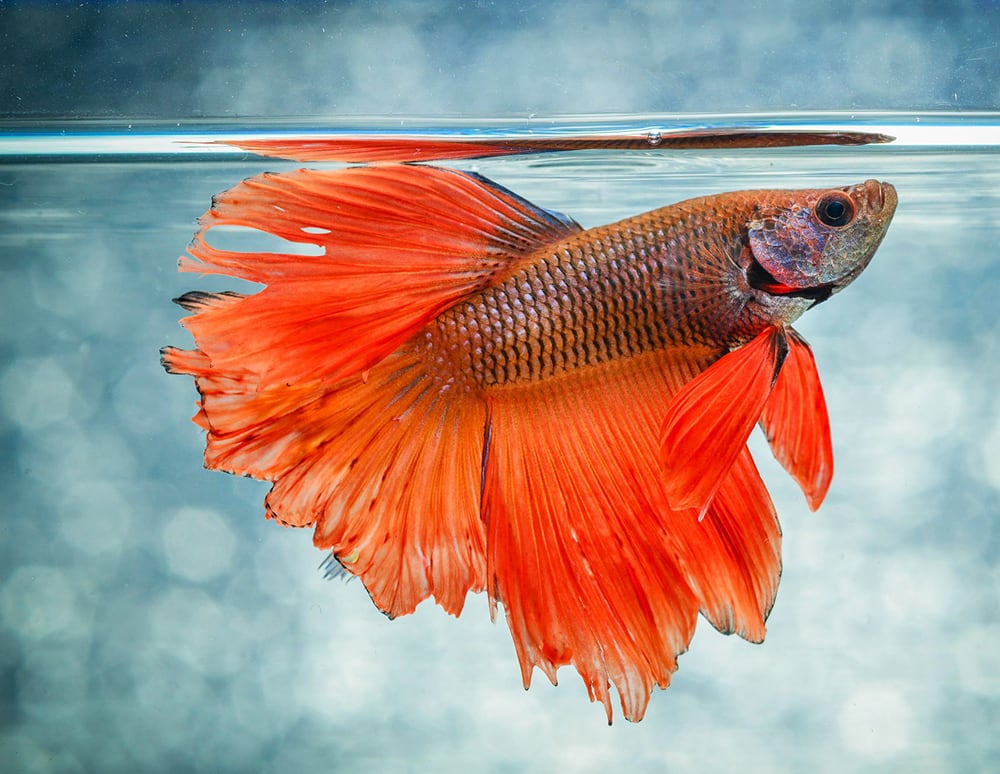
399, 245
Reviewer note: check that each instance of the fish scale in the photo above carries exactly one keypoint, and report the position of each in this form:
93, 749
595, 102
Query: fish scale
584, 302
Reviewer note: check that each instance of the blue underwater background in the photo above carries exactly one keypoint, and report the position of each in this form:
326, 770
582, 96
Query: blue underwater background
152, 620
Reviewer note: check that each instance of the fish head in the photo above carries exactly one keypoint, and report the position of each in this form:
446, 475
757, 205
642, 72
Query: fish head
811, 244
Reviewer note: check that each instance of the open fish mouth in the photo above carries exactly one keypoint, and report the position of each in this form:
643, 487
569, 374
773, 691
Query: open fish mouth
760, 279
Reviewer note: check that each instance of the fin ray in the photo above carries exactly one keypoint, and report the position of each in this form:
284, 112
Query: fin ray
592, 566
734, 552
710, 419
400, 244
386, 469
796, 422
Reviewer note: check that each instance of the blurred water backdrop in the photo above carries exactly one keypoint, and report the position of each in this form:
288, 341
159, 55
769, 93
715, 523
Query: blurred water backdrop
151, 619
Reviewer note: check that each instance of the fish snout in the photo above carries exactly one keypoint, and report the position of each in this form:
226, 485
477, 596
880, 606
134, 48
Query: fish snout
879, 197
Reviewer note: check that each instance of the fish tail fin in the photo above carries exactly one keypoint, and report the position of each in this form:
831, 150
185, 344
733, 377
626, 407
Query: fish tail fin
591, 564
392, 480
319, 382
384, 466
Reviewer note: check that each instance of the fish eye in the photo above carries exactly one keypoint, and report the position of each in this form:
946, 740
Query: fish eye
835, 209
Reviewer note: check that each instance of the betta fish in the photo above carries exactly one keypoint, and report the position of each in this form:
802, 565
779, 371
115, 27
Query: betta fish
463, 391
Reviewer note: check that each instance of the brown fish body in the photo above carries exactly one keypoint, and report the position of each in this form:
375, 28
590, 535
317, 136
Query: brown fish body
672, 277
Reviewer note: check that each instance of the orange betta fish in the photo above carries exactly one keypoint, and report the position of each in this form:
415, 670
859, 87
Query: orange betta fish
464, 392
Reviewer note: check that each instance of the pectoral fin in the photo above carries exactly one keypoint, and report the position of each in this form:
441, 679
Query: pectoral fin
709, 420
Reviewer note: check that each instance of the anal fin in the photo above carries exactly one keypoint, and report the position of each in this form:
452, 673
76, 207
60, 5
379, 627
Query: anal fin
591, 564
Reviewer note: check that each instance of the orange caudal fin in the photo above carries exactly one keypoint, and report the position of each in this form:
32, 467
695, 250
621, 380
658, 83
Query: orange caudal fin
709, 420
385, 467
396, 245
589, 562
396, 148
796, 423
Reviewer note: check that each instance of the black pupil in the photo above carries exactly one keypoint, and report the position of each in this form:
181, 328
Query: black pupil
834, 211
